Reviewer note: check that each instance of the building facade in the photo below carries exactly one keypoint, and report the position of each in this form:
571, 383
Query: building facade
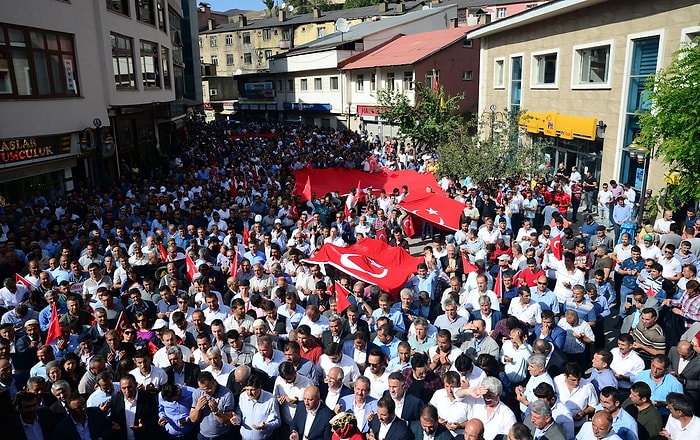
84, 84
578, 68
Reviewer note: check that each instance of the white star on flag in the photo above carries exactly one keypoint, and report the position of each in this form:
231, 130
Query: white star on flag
432, 211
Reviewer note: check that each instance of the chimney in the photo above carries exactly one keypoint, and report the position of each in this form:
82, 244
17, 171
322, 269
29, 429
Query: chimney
242, 20
317, 13
210, 24
382, 6
401, 8
282, 15
455, 22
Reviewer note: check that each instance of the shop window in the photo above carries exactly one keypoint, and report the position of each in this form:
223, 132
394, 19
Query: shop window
123, 62
35, 63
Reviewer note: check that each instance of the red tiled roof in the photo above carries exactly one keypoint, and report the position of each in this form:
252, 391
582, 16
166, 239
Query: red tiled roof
408, 49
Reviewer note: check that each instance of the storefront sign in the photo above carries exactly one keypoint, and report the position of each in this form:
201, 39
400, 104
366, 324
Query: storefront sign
307, 106
24, 149
563, 126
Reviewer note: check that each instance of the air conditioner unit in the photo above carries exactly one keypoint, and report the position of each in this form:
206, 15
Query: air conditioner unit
213, 92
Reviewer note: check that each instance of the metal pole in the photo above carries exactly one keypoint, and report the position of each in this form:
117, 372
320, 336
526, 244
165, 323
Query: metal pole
642, 197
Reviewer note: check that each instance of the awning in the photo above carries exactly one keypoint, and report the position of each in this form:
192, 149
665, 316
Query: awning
558, 125
227, 112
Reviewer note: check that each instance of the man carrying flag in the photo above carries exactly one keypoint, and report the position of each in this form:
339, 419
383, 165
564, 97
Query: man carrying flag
14, 292
341, 297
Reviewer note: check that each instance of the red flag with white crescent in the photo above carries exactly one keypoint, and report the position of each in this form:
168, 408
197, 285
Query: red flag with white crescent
20, 280
191, 268
54, 326
408, 228
381, 235
122, 322
435, 208
555, 243
341, 297
467, 266
306, 194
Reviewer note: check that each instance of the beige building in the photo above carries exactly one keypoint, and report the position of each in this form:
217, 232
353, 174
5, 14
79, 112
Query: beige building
578, 67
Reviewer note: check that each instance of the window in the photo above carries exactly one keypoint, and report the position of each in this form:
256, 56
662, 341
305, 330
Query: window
304, 84
373, 82
246, 37
290, 85
247, 58
516, 83
498, 72
592, 65
229, 59
285, 34
150, 65
360, 81
467, 76
432, 79
266, 34
214, 60
212, 41
229, 39
544, 69
123, 62
318, 84
334, 83
34, 62
408, 80
268, 54
320, 32
501, 12
118, 6
390, 81
144, 12
165, 61
467, 43
162, 25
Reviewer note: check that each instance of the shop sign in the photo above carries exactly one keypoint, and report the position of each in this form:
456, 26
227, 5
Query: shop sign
29, 148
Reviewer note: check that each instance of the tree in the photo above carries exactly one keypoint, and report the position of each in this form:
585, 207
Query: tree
427, 122
490, 147
672, 126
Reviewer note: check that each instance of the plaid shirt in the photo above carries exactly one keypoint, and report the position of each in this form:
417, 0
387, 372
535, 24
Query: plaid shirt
431, 383
690, 308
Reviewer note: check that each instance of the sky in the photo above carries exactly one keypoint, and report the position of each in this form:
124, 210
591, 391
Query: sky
225, 5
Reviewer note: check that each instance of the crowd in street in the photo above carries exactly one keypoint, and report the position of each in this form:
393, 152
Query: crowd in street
179, 304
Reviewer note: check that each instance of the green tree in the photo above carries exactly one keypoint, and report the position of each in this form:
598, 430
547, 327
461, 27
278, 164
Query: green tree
351, 4
428, 121
672, 126
270, 6
490, 146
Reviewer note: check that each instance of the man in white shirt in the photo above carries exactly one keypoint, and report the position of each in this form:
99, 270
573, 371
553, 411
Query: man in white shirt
682, 424
451, 408
150, 377
217, 367
495, 415
334, 380
536, 367
289, 390
376, 373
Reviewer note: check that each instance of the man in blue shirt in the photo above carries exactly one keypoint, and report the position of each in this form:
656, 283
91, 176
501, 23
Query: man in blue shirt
258, 411
623, 424
660, 381
174, 404
212, 406
385, 310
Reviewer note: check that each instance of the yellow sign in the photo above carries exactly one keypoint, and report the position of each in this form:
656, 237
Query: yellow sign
555, 124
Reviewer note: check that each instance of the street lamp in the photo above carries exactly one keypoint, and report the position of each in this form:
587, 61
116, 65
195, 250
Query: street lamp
497, 121
643, 156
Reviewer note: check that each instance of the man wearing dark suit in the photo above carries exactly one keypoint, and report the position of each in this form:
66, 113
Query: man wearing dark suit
358, 343
180, 372
556, 359
386, 426
427, 425
97, 423
688, 373
320, 428
541, 424
332, 388
115, 349
353, 323
30, 413
145, 423
411, 406
336, 333
452, 263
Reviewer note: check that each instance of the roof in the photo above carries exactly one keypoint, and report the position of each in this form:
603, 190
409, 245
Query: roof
408, 49
326, 16
543, 12
361, 30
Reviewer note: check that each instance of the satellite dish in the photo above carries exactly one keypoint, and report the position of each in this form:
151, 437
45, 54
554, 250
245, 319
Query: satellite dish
238, 72
283, 5
342, 25
425, 7
290, 8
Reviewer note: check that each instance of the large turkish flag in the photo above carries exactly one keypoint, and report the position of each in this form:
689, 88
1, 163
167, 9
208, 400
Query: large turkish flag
371, 261
434, 208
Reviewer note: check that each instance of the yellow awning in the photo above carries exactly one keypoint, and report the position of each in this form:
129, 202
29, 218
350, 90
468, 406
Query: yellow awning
563, 126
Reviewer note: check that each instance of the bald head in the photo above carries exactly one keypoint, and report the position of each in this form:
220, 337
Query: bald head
602, 422
312, 398
474, 429
685, 349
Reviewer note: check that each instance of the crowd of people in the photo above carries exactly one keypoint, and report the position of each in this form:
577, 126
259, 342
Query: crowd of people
518, 326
